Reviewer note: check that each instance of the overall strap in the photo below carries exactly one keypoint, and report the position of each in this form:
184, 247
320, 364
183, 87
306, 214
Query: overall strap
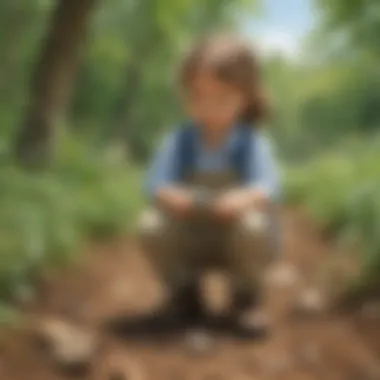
185, 151
242, 151
239, 155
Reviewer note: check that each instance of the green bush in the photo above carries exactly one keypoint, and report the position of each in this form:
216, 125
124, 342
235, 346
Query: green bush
47, 216
342, 192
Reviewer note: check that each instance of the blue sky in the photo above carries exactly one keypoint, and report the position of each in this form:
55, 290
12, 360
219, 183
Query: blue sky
282, 25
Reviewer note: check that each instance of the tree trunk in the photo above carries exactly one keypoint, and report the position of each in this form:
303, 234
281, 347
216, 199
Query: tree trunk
53, 80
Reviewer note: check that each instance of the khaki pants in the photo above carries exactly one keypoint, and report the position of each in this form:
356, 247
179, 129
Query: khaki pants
181, 250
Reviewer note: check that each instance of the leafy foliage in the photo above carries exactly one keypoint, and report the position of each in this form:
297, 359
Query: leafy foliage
341, 191
47, 217
359, 20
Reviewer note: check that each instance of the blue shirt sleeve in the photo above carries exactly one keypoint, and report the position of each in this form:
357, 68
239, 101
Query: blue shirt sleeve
264, 172
163, 167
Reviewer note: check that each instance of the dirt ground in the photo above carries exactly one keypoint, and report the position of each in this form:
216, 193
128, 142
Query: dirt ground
114, 280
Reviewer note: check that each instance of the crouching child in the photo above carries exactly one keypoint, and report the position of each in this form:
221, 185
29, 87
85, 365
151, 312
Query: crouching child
213, 185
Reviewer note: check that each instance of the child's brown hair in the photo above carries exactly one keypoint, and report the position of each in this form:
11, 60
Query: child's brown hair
233, 61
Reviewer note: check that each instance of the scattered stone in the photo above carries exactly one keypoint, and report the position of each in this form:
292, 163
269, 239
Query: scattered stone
71, 348
199, 343
259, 322
310, 303
283, 275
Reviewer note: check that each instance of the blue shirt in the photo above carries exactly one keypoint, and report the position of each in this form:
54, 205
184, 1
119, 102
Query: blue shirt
263, 171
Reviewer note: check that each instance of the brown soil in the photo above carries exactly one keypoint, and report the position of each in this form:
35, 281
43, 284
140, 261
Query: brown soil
115, 280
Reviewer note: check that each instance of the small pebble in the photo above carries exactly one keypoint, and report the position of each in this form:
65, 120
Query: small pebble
256, 320
70, 347
199, 343
283, 276
310, 303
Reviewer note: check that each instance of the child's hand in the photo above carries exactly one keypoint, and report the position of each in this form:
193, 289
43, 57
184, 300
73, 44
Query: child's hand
230, 205
177, 200
235, 202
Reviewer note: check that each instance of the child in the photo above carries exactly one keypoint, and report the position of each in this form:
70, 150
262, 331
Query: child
213, 183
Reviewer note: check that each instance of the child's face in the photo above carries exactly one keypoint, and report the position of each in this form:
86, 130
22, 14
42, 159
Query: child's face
213, 103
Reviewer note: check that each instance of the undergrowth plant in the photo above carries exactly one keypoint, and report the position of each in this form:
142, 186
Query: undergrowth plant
341, 191
47, 216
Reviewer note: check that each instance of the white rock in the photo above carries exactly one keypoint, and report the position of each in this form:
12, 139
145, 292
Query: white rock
256, 320
283, 275
199, 342
310, 302
67, 344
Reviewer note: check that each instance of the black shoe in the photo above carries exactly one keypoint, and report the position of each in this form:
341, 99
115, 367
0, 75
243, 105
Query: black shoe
182, 310
186, 304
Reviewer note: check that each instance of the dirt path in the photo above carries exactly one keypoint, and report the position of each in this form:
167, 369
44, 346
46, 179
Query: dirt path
117, 281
